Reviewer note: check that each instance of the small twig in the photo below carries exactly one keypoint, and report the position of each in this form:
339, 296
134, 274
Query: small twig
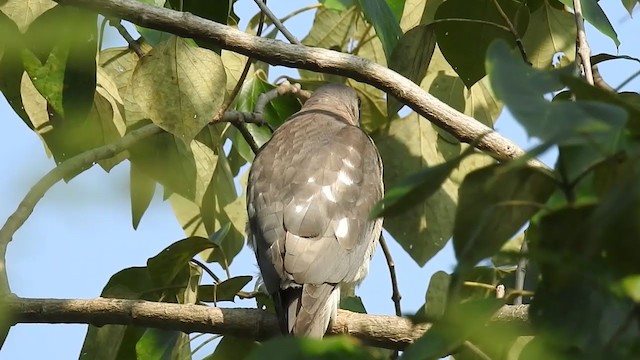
598, 80
479, 285
628, 80
513, 31
133, 44
582, 46
206, 269
300, 11
631, 316
476, 350
84, 160
265, 10
521, 271
204, 343
394, 279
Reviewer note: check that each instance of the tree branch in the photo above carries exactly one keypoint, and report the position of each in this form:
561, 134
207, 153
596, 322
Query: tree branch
70, 166
463, 127
582, 46
274, 19
376, 330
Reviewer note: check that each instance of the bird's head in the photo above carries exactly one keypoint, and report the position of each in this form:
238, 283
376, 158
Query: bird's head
337, 98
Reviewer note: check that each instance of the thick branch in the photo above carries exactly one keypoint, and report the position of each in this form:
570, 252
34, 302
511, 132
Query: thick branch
463, 127
377, 330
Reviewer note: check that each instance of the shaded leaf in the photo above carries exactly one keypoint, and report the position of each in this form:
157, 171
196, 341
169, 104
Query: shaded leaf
523, 88
467, 60
353, 303
380, 15
224, 291
416, 188
233, 348
436, 297
141, 192
495, 202
551, 31
411, 58
406, 147
458, 324
164, 267
158, 344
291, 348
180, 99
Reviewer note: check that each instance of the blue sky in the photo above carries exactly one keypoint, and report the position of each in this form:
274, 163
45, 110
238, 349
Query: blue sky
80, 233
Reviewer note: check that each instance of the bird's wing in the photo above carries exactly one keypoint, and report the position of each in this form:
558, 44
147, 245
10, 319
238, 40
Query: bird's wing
312, 188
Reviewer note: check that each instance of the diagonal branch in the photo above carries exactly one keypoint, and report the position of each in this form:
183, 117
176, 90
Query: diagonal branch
377, 330
463, 127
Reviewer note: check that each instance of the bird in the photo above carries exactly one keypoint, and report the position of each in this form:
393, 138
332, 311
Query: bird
310, 190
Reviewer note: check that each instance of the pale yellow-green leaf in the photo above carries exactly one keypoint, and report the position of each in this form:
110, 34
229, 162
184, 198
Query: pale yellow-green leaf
188, 216
331, 29
367, 44
190, 293
104, 80
233, 65
35, 105
179, 87
373, 107
237, 213
205, 160
23, 12
412, 14
119, 63
550, 31
106, 112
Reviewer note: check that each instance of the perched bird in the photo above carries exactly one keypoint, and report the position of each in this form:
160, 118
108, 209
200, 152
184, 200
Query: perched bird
310, 191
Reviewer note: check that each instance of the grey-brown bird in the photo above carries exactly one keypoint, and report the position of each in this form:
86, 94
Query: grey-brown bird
310, 191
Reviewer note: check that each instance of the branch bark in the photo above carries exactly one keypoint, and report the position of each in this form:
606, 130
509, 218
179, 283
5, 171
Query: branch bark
376, 330
463, 127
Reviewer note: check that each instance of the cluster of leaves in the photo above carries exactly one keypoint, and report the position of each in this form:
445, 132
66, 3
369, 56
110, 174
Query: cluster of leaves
580, 216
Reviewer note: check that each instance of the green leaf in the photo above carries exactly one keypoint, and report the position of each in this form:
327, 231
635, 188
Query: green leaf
141, 192
164, 267
353, 303
629, 5
233, 348
179, 99
416, 188
158, 344
551, 31
592, 12
169, 161
631, 286
523, 88
411, 58
468, 60
380, 15
332, 348
459, 324
436, 297
11, 67
331, 29
598, 58
23, 13
224, 291
495, 202
339, 5
407, 146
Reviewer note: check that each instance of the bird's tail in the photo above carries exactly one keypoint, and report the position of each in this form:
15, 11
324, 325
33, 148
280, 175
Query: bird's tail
309, 309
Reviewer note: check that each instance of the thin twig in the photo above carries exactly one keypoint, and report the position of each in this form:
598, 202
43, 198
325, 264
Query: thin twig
395, 296
599, 81
240, 125
521, 271
582, 46
300, 11
71, 166
513, 31
265, 10
476, 350
206, 269
133, 44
